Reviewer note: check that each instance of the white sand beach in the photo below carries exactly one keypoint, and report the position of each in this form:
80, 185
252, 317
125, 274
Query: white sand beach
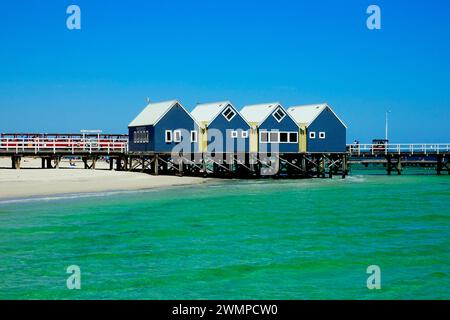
31, 181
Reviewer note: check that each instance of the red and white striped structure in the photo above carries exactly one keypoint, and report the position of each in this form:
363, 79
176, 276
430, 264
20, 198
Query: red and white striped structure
19, 143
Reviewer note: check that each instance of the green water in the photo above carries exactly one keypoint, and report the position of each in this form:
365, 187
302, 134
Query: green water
265, 239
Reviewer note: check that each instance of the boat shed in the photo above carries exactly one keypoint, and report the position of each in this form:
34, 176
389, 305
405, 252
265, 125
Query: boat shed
163, 127
222, 128
321, 130
273, 129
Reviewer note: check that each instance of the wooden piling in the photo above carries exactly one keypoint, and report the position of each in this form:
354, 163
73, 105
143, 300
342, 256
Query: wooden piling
156, 165
16, 162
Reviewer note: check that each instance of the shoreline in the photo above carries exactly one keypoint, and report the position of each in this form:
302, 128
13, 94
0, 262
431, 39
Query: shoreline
24, 190
31, 182
103, 193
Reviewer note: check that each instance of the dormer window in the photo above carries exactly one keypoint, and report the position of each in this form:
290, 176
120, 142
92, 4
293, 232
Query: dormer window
279, 114
229, 113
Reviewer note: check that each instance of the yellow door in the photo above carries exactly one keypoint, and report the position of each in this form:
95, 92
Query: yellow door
253, 139
203, 139
302, 139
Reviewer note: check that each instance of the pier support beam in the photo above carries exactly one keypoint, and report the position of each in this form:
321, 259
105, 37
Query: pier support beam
443, 164
393, 164
127, 163
92, 164
16, 162
56, 160
156, 165
180, 167
204, 166
344, 166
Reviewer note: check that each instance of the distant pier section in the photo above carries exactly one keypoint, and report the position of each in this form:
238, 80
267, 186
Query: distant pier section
52, 147
394, 157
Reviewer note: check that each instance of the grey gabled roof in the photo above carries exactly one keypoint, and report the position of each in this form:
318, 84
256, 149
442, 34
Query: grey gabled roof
154, 112
205, 113
258, 113
306, 114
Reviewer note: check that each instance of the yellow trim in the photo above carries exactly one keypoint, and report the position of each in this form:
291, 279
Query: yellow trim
253, 136
302, 139
203, 137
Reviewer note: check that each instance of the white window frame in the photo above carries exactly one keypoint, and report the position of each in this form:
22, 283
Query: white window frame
244, 134
276, 111
278, 136
268, 137
232, 110
312, 134
175, 134
322, 135
170, 136
234, 134
194, 134
296, 137
141, 136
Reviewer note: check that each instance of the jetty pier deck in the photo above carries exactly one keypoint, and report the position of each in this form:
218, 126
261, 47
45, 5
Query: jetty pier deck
91, 147
397, 156
52, 147
242, 165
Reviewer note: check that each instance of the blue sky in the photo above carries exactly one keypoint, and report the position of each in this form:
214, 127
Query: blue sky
296, 52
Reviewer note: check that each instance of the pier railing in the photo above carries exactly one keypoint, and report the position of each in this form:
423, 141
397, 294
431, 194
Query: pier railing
63, 145
399, 148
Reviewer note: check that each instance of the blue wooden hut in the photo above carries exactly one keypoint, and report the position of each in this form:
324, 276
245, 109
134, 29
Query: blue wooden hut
161, 127
273, 129
222, 128
321, 130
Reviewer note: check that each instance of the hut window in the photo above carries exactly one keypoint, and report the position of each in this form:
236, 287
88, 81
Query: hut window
229, 113
193, 136
140, 136
177, 136
322, 135
264, 137
293, 137
279, 114
168, 136
244, 134
283, 137
274, 138
234, 134
312, 135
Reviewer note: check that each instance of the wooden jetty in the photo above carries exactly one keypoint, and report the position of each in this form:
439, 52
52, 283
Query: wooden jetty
242, 165
90, 148
52, 147
394, 157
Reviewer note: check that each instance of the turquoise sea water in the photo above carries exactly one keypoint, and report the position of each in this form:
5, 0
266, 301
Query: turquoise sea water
265, 239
